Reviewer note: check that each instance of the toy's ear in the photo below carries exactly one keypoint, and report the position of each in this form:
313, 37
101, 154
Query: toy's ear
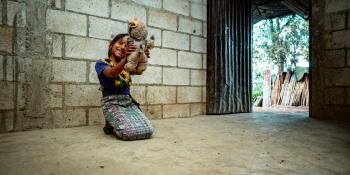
132, 24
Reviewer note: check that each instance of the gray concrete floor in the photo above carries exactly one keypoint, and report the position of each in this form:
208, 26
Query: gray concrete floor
256, 143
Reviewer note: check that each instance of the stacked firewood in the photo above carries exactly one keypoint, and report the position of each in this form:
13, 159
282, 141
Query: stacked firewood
287, 91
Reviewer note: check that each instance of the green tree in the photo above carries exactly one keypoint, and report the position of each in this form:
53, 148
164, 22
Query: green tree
297, 36
281, 41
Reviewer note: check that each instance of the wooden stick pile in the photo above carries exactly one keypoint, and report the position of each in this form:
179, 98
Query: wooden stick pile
287, 91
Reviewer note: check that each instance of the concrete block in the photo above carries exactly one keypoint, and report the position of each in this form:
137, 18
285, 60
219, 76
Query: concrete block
66, 70
139, 93
205, 29
335, 95
338, 21
204, 61
152, 75
108, 31
327, 23
197, 1
198, 77
7, 98
6, 39
14, 8
198, 44
177, 6
1, 13
86, 48
162, 20
6, 121
328, 38
204, 109
68, 118
341, 39
161, 95
197, 109
348, 53
157, 35
93, 75
204, 94
154, 111
56, 44
348, 19
58, 4
199, 11
56, 95
348, 96
143, 108
336, 6
334, 58
176, 40
175, 76
164, 57
149, 3
96, 116
91, 7
66, 22
6, 95
176, 110
18, 125
339, 77
334, 112
190, 26
2, 71
125, 11
30, 123
9, 67
189, 94
21, 98
189, 60
82, 95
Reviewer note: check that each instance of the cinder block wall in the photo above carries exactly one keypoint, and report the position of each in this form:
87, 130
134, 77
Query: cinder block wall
47, 61
330, 82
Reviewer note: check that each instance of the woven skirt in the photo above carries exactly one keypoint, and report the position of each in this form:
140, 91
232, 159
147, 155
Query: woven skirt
128, 121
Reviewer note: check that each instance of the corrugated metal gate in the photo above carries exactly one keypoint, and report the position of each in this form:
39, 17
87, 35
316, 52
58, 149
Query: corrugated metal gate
229, 56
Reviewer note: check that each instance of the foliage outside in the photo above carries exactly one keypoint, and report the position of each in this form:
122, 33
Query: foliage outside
279, 44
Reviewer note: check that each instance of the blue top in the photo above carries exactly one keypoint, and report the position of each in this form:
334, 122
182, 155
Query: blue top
119, 85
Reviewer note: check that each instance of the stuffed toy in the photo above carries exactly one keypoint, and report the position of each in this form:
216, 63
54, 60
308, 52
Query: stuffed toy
137, 61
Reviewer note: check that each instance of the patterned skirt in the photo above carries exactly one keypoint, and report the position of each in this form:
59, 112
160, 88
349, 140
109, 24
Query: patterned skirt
128, 121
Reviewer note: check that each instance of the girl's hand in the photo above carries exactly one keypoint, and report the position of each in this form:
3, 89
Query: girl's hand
131, 48
134, 73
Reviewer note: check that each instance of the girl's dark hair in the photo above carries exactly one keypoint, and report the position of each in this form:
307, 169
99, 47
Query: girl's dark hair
115, 39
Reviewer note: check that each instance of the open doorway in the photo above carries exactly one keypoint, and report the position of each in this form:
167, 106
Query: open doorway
280, 59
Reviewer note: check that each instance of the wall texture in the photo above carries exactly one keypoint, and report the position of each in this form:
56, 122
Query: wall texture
330, 84
48, 49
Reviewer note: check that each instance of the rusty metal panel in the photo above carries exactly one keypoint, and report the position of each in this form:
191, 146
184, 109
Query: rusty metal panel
229, 56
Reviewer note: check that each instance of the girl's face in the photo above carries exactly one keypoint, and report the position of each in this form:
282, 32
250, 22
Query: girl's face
118, 48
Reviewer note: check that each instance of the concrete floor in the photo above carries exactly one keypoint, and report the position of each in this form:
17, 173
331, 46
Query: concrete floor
256, 143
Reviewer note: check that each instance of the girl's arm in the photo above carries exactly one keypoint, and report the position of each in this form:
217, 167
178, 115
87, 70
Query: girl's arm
111, 72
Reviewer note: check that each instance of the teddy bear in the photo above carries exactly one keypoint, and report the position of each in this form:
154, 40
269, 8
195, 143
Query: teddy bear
137, 60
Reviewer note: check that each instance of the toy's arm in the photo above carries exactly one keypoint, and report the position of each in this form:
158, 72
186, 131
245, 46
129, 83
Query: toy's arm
150, 42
